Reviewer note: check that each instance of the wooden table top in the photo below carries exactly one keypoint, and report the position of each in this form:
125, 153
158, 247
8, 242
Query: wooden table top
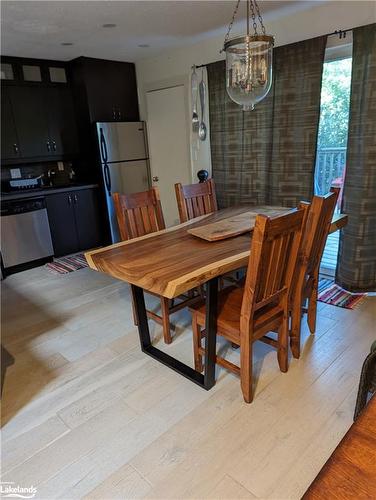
350, 472
172, 261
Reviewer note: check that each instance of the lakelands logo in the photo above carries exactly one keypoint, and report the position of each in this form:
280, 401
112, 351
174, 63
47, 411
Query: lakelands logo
10, 490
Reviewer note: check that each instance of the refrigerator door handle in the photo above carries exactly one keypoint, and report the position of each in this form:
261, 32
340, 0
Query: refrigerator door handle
107, 178
103, 147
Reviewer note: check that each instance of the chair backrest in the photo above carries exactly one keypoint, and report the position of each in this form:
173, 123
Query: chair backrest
138, 213
316, 231
196, 199
274, 252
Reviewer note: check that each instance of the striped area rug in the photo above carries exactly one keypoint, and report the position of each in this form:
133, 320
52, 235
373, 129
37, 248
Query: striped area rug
66, 265
332, 294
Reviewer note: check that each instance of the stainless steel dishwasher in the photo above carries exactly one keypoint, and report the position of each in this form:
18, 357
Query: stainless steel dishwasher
25, 232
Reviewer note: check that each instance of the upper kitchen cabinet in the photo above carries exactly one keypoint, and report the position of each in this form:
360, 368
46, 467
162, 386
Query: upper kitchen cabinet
38, 122
61, 121
38, 71
28, 105
105, 90
38, 118
9, 140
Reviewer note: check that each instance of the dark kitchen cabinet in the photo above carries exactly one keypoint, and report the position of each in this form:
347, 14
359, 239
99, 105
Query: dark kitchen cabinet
9, 140
74, 221
28, 104
86, 212
109, 89
38, 116
62, 223
44, 121
61, 121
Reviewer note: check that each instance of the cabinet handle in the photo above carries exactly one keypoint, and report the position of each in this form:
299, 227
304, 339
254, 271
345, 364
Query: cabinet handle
48, 146
113, 113
70, 199
119, 114
15, 147
75, 198
54, 145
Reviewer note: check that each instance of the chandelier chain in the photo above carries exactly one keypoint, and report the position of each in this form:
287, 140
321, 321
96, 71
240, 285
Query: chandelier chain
259, 17
253, 15
231, 23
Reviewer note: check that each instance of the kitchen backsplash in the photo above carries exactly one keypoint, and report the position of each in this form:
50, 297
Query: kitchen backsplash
53, 173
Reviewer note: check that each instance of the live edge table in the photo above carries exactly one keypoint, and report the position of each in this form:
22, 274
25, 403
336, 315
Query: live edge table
173, 261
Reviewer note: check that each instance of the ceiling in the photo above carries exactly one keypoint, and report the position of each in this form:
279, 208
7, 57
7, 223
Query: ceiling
38, 28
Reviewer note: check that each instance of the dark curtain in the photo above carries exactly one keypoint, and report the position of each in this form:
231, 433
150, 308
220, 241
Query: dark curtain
356, 269
268, 155
240, 146
297, 91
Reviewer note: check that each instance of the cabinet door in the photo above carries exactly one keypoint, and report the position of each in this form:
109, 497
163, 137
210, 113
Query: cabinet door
112, 91
60, 209
9, 140
127, 92
28, 104
61, 121
86, 209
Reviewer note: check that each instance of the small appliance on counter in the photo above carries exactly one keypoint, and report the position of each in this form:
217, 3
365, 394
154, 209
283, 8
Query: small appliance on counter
22, 184
62, 175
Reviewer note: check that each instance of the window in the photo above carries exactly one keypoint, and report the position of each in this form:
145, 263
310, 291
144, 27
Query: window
330, 166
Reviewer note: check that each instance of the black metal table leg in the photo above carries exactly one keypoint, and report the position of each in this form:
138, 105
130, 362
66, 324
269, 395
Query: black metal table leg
211, 331
206, 380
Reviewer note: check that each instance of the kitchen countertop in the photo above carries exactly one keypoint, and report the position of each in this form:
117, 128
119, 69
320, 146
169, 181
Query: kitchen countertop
45, 191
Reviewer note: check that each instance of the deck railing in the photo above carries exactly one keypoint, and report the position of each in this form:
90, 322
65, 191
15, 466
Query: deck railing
330, 164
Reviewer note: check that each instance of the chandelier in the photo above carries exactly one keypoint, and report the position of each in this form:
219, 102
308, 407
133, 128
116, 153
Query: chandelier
248, 60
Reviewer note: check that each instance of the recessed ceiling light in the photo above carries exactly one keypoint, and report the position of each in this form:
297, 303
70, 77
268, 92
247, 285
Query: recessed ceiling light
143, 45
66, 43
109, 25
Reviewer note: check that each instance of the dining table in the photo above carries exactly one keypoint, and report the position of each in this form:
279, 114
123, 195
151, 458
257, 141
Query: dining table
174, 261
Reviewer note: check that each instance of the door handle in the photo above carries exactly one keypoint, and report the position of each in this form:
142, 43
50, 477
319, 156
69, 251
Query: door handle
155, 178
103, 147
107, 178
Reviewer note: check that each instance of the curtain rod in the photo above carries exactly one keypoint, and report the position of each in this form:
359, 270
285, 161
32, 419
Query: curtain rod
340, 33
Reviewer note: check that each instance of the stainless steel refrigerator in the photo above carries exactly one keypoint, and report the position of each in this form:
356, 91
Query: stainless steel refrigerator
125, 162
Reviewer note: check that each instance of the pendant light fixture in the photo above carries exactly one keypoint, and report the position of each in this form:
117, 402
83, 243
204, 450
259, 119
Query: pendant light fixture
248, 60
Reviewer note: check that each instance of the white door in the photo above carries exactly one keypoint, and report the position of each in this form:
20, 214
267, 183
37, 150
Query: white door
168, 145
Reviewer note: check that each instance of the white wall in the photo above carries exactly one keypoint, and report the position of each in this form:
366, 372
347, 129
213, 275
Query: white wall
318, 20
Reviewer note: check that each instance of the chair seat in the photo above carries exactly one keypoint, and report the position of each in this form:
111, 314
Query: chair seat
229, 308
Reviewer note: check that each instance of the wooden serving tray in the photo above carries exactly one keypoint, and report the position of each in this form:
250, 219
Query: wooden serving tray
234, 225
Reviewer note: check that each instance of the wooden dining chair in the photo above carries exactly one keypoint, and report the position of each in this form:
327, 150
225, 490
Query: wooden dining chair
196, 199
139, 214
305, 288
247, 314
199, 199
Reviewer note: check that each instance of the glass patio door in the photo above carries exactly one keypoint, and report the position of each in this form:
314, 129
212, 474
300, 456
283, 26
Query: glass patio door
330, 168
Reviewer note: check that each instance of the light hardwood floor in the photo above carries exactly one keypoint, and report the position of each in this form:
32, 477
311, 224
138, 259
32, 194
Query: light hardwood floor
87, 415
